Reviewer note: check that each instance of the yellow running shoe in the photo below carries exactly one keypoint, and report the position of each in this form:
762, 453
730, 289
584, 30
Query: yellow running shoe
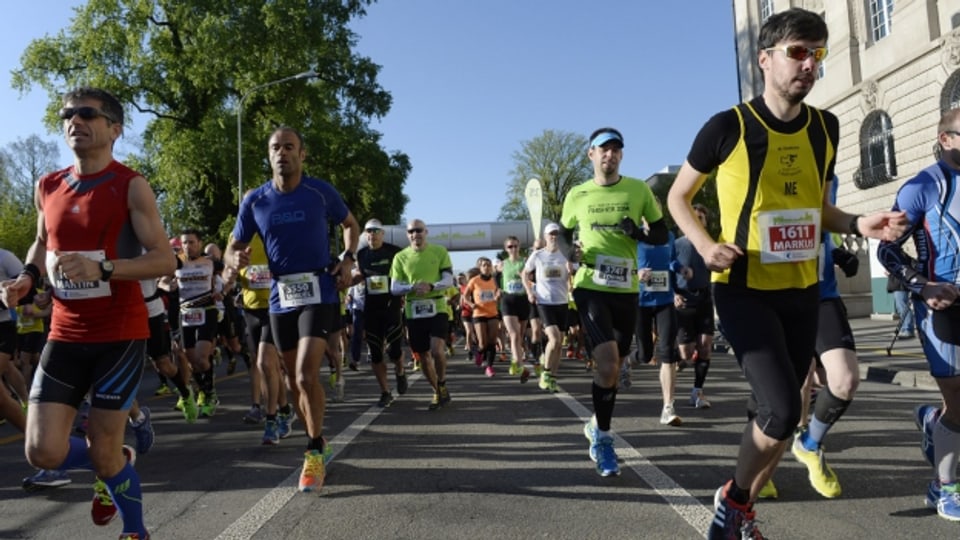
515, 368
768, 491
822, 477
314, 471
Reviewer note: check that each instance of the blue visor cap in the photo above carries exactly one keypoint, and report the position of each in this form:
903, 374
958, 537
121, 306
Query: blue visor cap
606, 137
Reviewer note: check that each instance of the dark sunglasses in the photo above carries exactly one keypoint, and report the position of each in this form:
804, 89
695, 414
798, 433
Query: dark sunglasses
511, 246
372, 230
415, 230
801, 53
87, 113
553, 233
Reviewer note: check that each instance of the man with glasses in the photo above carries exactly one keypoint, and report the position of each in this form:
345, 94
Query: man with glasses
607, 210
931, 279
98, 234
514, 306
382, 311
422, 272
293, 214
775, 158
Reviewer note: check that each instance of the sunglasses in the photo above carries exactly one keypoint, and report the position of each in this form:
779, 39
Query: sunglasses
553, 233
372, 230
415, 230
87, 113
511, 246
801, 53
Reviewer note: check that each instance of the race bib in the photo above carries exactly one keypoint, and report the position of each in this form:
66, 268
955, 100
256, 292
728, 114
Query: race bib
193, 316
378, 285
553, 272
488, 296
514, 287
423, 309
73, 290
613, 271
789, 235
258, 276
659, 281
299, 289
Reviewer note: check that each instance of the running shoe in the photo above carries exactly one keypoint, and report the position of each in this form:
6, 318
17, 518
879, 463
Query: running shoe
625, 381
232, 365
386, 398
948, 506
284, 421
254, 415
163, 390
668, 416
434, 403
332, 380
697, 400
926, 417
209, 406
353, 366
590, 429
341, 385
822, 477
524, 374
603, 454
544, 383
271, 435
768, 491
103, 510
732, 521
444, 394
189, 407
489, 371
43, 479
143, 432
313, 472
514, 368
402, 384
134, 536
553, 385
933, 494
478, 358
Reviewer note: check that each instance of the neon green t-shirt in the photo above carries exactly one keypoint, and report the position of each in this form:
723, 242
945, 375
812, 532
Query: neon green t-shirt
512, 282
427, 266
609, 256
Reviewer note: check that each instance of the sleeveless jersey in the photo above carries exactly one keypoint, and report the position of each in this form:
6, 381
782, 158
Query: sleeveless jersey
608, 254
512, 283
89, 215
255, 278
770, 190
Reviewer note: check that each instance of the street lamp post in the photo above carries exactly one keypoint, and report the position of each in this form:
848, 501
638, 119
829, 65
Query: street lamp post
305, 75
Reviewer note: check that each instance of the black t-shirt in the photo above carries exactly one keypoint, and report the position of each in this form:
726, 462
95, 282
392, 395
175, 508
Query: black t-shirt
373, 263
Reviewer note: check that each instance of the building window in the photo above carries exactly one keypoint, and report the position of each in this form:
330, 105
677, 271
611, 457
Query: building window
950, 95
881, 12
878, 159
766, 9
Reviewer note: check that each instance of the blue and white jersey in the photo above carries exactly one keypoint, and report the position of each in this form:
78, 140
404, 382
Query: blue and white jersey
661, 260
933, 209
295, 229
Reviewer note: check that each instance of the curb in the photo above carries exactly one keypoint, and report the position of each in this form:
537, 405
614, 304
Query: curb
905, 378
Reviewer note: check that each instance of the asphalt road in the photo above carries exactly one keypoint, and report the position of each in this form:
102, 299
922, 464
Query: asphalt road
503, 460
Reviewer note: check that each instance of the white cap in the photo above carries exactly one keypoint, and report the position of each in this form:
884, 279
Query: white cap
551, 227
373, 224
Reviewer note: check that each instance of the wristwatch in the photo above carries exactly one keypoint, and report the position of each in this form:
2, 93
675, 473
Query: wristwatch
347, 253
106, 269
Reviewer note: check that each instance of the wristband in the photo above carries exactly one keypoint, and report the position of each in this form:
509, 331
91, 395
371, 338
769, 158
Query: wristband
855, 226
31, 270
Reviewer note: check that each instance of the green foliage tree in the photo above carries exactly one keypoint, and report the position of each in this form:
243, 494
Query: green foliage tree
707, 196
22, 162
559, 160
185, 66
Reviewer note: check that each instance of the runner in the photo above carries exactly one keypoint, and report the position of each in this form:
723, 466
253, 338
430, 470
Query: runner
196, 278
482, 294
514, 306
548, 293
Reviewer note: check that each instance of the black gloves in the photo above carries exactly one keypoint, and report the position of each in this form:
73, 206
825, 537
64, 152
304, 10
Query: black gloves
630, 228
848, 262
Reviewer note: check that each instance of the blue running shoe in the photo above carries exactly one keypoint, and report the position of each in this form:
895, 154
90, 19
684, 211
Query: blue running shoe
143, 432
933, 494
732, 521
590, 431
270, 434
606, 458
284, 421
46, 479
926, 417
948, 507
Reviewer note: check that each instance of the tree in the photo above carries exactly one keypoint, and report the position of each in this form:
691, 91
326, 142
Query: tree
559, 160
21, 163
185, 66
707, 196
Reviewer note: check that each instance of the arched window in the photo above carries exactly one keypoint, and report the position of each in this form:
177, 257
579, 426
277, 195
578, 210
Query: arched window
878, 160
950, 95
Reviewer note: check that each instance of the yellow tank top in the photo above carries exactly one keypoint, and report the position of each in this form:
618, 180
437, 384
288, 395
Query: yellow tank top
255, 278
770, 191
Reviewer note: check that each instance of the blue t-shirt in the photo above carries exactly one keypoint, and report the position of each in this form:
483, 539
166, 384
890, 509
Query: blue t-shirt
661, 260
295, 229
828, 272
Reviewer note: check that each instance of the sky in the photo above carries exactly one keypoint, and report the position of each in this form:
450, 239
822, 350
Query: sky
473, 80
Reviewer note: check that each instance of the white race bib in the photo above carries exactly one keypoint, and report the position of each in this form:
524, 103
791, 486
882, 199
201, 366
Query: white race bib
659, 281
193, 316
423, 309
514, 287
613, 271
299, 289
378, 285
789, 235
553, 272
72, 290
487, 295
258, 276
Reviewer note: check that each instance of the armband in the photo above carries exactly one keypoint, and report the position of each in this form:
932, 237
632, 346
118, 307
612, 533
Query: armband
31, 270
855, 226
